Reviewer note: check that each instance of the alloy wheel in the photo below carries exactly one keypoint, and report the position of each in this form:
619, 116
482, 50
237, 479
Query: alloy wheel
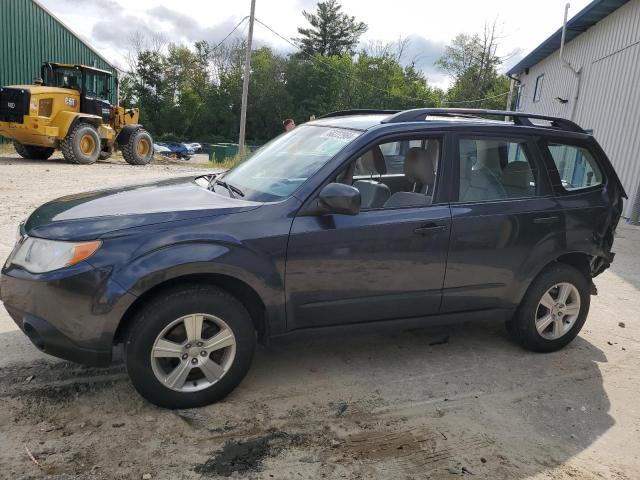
193, 352
557, 311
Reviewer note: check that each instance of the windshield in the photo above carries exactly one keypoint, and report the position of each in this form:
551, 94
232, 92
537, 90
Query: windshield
66, 78
95, 85
276, 170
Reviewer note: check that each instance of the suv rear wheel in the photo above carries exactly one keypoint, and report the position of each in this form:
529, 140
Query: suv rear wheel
189, 347
32, 152
553, 310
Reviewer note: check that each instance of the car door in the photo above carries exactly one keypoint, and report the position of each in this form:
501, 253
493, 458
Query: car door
505, 222
382, 263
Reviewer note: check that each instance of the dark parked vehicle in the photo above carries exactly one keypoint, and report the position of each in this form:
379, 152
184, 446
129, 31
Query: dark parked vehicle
179, 150
486, 220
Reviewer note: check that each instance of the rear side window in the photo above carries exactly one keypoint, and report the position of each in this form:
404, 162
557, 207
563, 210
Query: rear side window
495, 169
577, 167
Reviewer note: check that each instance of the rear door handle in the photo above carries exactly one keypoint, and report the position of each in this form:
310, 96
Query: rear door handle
430, 228
546, 220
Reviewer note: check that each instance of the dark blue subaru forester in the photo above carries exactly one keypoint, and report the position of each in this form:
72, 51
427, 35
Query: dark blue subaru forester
375, 217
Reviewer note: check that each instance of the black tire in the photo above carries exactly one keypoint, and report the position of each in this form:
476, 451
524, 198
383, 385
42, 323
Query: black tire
32, 151
81, 145
522, 327
159, 313
104, 155
139, 149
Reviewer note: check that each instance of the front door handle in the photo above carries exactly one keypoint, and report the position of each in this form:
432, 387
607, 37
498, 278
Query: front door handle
546, 220
430, 228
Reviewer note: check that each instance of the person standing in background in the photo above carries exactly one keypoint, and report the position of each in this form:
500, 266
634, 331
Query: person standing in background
288, 124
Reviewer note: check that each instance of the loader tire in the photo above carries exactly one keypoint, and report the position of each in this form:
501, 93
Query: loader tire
104, 155
81, 145
139, 148
33, 152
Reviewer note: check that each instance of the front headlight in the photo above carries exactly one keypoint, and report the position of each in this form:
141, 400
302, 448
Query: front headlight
38, 255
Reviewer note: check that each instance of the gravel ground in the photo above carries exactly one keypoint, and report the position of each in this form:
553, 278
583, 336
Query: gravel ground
427, 403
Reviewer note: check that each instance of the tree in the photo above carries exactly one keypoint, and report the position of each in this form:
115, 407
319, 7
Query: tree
472, 62
332, 32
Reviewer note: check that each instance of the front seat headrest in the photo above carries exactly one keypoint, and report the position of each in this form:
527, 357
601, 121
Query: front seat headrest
517, 174
373, 161
419, 164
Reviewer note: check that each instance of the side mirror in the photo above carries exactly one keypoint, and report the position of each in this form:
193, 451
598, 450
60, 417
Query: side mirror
339, 198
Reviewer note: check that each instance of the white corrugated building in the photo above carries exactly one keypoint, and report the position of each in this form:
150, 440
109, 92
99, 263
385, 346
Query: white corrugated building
603, 45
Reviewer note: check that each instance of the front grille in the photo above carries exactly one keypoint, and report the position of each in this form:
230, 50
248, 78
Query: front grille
14, 104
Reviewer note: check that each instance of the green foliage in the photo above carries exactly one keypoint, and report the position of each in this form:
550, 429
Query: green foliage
472, 62
194, 94
332, 32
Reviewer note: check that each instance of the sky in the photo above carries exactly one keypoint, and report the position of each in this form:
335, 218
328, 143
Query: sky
428, 24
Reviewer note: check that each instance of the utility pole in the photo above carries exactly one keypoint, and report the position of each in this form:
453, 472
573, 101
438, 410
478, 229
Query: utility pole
245, 82
509, 98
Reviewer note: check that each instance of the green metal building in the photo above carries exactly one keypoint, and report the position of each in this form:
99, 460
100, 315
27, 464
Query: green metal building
30, 34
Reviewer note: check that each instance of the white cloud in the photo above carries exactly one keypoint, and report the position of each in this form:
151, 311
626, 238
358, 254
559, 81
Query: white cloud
107, 24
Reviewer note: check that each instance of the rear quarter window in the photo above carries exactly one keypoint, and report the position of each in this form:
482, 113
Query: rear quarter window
576, 166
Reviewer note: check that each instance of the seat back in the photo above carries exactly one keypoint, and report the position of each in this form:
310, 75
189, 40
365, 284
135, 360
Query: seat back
478, 184
517, 178
418, 169
373, 193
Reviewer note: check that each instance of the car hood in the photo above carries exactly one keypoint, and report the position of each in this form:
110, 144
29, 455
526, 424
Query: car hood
90, 215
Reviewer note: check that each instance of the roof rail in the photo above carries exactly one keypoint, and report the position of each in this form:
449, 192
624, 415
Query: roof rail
519, 118
360, 111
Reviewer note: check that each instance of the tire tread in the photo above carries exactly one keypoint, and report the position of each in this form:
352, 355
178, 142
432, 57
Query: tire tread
520, 326
128, 149
151, 312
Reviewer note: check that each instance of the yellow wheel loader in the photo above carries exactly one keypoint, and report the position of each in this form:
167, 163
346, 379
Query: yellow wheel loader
68, 109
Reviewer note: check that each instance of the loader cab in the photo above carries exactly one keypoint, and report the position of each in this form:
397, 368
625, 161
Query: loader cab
93, 84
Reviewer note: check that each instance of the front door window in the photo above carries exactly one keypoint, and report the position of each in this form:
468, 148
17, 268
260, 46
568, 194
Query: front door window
396, 174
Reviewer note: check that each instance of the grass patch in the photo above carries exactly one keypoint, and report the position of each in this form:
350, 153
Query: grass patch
231, 162
7, 148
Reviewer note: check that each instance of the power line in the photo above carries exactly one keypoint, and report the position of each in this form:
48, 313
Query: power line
366, 83
231, 32
312, 57
478, 99
188, 125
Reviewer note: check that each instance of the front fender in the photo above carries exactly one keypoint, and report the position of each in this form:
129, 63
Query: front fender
66, 120
197, 258
126, 132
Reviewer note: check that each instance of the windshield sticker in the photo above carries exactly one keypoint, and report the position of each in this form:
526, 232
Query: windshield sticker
340, 133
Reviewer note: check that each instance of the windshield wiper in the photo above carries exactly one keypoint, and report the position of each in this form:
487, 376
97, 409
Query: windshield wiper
232, 190
211, 181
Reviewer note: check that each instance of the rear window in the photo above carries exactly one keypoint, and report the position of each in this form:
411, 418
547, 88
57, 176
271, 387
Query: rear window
577, 168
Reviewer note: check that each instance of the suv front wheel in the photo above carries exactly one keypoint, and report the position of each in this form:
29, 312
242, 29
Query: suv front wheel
553, 310
189, 347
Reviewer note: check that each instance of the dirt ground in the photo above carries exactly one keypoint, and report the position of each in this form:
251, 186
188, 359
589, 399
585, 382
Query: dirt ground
437, 403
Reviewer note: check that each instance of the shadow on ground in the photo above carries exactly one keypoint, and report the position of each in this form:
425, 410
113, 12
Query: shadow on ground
436, 401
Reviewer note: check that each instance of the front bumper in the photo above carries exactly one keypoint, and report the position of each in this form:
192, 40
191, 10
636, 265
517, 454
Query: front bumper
71, 313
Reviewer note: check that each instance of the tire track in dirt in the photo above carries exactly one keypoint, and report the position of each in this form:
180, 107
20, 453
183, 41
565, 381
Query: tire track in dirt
42, 378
